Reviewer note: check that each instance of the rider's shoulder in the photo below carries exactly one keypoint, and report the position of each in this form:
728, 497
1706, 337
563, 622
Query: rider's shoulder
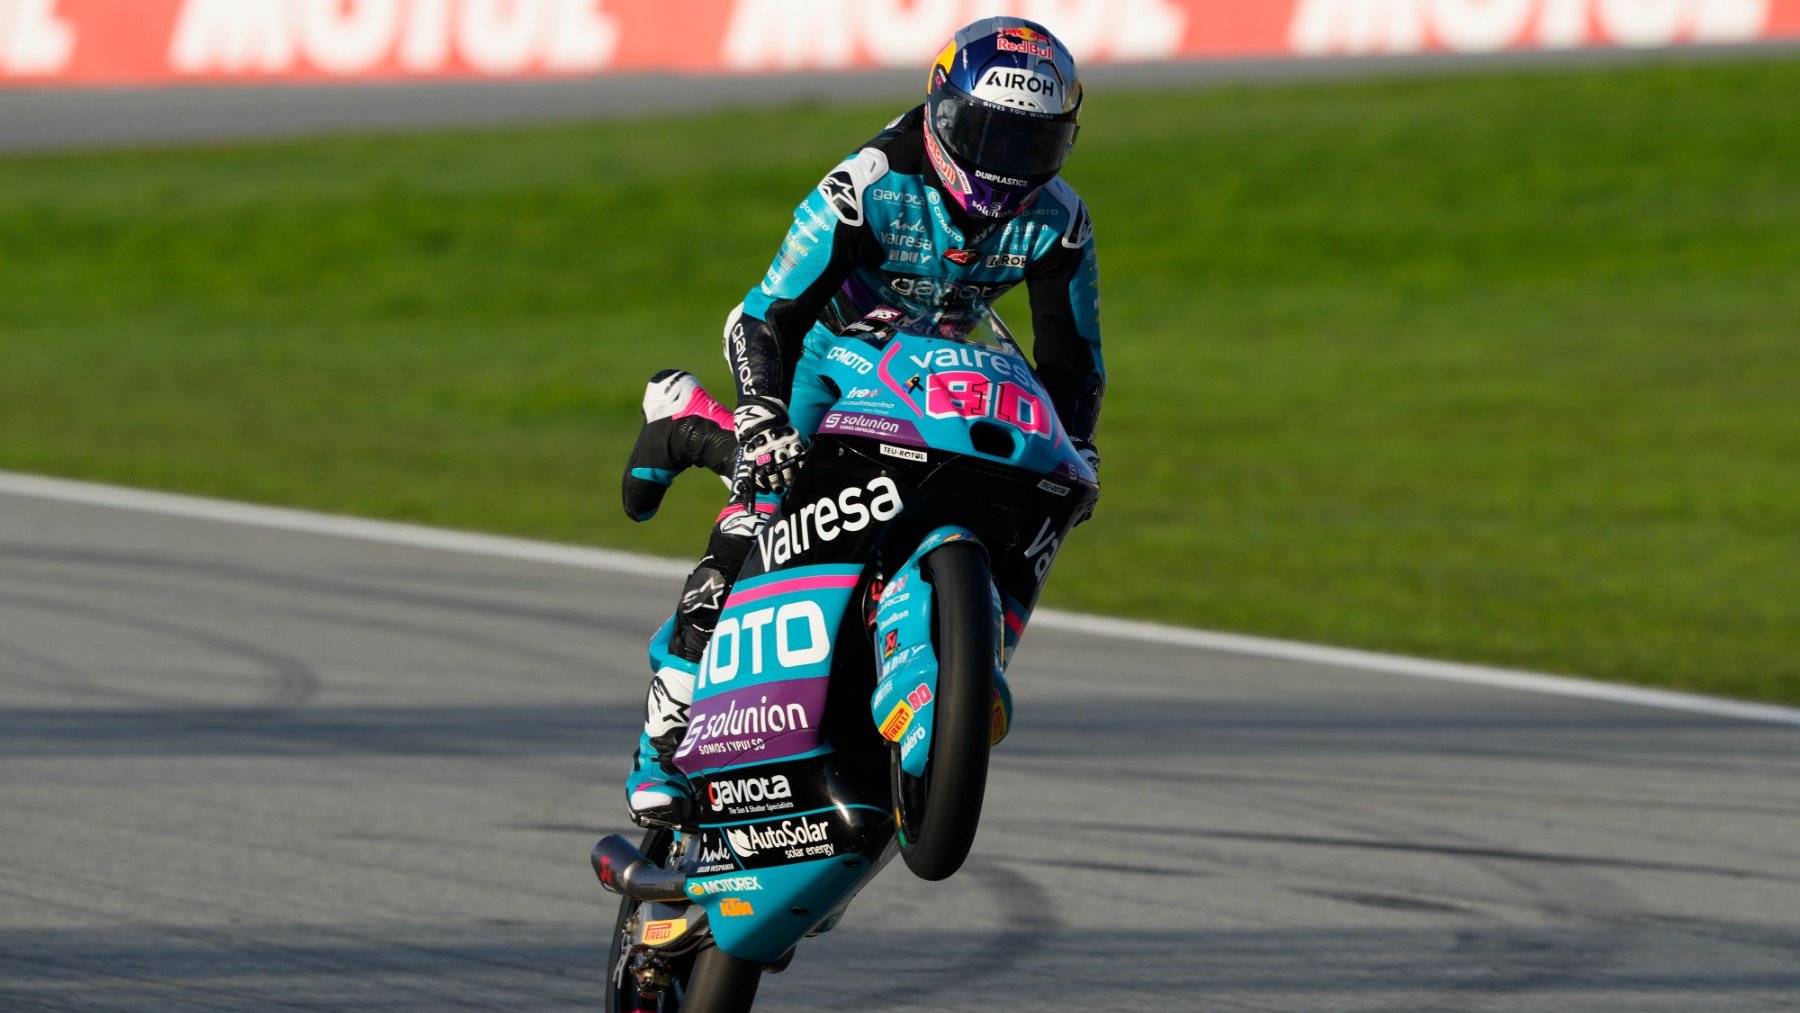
843, 188
1058, 207
894, 151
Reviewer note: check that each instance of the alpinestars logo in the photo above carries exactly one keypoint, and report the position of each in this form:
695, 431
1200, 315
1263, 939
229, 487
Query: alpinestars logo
840, 191
801, 834
749, 789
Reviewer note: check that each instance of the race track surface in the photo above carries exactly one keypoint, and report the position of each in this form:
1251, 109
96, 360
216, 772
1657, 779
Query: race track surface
254, 769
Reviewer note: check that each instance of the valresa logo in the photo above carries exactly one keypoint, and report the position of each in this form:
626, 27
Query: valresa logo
827, 518
747, 841
749, 789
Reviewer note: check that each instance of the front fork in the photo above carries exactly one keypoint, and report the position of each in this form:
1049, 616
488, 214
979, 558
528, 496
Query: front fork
907, 689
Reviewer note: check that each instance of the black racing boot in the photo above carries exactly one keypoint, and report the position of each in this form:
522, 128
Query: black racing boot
683, 427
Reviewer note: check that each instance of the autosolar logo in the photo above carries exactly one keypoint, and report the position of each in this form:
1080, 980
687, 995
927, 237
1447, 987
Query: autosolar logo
795, 839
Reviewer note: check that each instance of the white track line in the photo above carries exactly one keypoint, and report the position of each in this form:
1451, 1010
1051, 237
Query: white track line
420, 536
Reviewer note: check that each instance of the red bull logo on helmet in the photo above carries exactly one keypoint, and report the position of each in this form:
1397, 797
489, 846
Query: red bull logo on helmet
1025, 40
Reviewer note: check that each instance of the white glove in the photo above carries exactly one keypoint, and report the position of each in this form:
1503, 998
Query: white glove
772, 447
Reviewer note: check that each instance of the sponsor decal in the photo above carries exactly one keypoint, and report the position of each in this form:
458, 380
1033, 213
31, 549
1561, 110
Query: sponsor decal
1005, 260
949, 173
725, 884
796, 838
838, 353
911, 200
1044, 547
893, 664
762, 722
1025, 40
912, 740
1007, 181
972, 357
894, 725
861, 425
883, 314
1052, 488
890, 643
738, 793
1020, 87
714, 857
735, 907
962, 258
940, 289
800, 640
998, 730
822, 520
904, 453
664, 931
919, 697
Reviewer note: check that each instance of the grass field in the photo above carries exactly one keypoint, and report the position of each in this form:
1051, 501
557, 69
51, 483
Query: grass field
1496, 368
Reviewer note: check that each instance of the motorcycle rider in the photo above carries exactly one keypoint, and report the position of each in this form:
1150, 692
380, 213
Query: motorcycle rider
957, 198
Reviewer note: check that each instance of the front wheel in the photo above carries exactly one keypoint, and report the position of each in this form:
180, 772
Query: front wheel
939, 812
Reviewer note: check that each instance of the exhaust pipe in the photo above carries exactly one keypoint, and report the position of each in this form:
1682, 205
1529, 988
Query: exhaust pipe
623, 869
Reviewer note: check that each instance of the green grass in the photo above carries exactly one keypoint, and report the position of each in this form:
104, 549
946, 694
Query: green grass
1500, 368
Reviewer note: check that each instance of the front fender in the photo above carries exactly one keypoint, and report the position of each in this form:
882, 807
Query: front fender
903, 704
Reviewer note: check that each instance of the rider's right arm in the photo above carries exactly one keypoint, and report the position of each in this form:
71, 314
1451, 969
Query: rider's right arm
830, 237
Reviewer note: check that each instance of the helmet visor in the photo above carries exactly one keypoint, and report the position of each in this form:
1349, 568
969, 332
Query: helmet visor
1007, 142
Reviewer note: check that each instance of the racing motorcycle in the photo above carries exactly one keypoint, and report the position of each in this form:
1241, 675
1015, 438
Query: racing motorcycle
855, 681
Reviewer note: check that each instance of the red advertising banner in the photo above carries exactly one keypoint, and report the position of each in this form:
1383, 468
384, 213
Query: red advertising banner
113, 42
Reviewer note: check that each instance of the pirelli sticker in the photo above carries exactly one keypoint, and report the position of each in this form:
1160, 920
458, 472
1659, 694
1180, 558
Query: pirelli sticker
895, 724
656, 933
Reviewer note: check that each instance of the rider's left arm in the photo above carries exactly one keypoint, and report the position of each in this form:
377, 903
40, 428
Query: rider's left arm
1065, 315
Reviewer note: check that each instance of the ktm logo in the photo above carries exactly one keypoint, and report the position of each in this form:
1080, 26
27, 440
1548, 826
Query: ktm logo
735, 907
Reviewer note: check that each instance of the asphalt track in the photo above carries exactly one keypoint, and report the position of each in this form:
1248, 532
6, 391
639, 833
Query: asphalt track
35, 119
252, 768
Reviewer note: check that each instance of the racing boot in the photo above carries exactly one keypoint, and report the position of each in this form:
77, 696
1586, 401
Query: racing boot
656, 793
683, 427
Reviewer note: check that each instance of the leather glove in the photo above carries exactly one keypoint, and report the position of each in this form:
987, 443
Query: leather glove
772, 448
1092, 457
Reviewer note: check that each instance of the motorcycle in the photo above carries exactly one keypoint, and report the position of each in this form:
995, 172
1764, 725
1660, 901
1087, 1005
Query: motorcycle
855, 682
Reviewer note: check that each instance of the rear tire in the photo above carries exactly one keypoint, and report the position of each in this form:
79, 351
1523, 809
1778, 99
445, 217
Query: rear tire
621, 988
721, 983
940, 812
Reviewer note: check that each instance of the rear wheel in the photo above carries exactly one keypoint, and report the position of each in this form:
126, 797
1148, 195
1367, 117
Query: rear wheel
940, 812
712, 981
721, 983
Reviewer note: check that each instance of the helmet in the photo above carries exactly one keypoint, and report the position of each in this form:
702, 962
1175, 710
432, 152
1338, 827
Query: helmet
1000, 114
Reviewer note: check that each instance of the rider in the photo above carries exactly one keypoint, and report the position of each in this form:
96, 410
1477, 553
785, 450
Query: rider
957, 199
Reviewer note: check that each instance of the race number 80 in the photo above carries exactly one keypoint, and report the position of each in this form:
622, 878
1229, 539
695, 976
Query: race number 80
970, 395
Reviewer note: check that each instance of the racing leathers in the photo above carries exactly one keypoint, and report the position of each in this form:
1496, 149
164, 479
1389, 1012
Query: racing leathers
876, 232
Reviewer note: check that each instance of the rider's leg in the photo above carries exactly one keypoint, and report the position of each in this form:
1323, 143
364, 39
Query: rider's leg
683, 427
655, 790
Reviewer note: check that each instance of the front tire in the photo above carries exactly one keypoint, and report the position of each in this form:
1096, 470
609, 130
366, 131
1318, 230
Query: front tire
940, 812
